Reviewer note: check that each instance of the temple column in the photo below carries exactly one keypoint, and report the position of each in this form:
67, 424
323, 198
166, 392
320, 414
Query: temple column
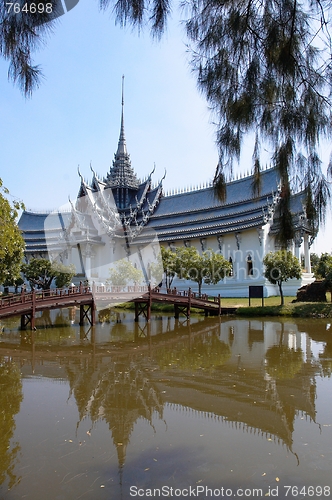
220, 240
238, 261
307, 264
69, 255
298, 240
88, 261
261, 239
238, 240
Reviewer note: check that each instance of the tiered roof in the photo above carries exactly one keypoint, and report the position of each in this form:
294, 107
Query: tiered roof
184, 216
199, 213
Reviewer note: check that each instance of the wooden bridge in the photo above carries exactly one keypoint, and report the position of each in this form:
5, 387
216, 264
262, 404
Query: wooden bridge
27, 304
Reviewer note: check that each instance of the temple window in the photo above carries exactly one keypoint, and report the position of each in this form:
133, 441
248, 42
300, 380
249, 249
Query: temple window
231, 272
250, 265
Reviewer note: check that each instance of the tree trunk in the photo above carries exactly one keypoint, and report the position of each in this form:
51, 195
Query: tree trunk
282, 334
281, 293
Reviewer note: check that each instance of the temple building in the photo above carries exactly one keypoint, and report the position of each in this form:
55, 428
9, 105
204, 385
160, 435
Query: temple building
120, 216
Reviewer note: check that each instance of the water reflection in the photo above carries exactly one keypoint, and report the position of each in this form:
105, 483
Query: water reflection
10, 400
256, 377
118, 392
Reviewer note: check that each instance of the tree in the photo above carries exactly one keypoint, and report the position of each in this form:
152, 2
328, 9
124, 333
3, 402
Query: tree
323, 270
156, 270
314, 259
265, 68
14, 282
217, 267
22, 32
11, 241
123, 273
280, 266
208, 267
189, 265
41, 272
64, 274
169, 258
324, 266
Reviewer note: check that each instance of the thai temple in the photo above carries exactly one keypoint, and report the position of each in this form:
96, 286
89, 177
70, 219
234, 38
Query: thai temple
120, 216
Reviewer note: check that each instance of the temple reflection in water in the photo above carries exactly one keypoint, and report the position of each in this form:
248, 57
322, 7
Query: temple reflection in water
257, 376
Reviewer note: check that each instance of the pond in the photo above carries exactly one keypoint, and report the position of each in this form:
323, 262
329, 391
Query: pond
211, 408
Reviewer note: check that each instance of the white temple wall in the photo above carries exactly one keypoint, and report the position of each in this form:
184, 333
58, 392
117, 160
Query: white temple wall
246, 249
74, 258
101, 258
253, 242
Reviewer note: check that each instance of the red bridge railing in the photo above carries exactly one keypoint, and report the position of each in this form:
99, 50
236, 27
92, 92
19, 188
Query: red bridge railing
26, 304
39, 295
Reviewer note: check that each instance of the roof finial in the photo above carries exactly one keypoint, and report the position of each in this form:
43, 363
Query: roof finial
122, 150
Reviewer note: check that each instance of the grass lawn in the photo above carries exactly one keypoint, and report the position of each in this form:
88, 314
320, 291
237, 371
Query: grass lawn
296, 310
271, 307
244, 301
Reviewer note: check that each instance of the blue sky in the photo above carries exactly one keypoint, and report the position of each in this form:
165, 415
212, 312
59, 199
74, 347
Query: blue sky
74, 117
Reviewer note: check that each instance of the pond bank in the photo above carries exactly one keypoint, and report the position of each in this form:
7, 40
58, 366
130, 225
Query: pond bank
297, 310
271, 308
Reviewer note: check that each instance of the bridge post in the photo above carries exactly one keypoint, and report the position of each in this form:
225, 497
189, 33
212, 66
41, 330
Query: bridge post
81, 323
219, 305
148, 312
29, 317
84, 313
189, 302
93, 314
136, 312
23, 323
33, 311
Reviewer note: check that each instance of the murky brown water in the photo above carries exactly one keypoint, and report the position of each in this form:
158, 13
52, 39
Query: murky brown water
218, 409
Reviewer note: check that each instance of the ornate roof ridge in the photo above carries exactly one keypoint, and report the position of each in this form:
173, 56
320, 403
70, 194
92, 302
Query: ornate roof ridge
214, 207
38, 212
205, 185
251, 221
45, 212
213, 217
